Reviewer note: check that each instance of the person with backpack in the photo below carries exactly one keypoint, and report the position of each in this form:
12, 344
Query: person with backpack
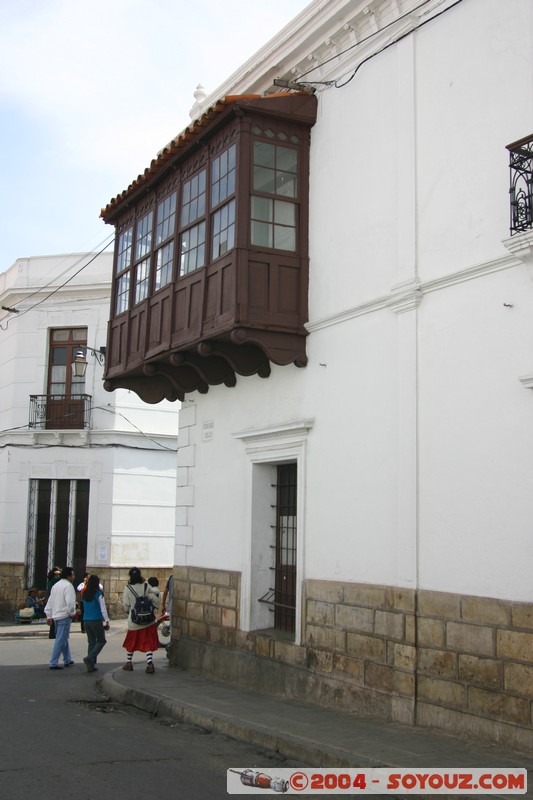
140, 601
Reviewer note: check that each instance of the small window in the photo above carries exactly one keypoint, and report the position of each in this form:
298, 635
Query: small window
193, 200
223, 176
124, 250
163, 266
142, 275
164, 230
192, 240
123, 293
192, 249
143, 236
273, 223
166, 219
275, 169
223, 233
273, 220
122, 270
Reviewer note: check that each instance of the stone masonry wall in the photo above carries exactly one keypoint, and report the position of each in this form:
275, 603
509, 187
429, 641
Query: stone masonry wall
13, 589
454, 662
475, 667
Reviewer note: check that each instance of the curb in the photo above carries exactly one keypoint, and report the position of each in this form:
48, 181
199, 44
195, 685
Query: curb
290, 746
22, 631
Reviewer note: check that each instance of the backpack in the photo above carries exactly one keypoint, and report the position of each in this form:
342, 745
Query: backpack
142, 612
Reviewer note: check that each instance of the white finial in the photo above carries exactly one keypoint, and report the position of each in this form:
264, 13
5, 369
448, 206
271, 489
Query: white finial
199, 96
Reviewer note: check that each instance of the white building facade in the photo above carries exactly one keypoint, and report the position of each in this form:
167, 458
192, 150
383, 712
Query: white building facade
358, 531
87, 478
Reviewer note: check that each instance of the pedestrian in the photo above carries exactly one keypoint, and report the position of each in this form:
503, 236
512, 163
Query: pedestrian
139, 638
60, 609
80, 588
53, 576
167, 597
154, 583
35, 602
96, 621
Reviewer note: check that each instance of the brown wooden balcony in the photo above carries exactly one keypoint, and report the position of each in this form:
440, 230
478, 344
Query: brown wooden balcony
243, 307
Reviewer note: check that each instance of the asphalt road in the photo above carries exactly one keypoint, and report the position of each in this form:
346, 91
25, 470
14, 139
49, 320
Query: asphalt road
61, 738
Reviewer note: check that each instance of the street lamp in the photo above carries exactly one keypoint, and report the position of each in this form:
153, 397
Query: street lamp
79, 365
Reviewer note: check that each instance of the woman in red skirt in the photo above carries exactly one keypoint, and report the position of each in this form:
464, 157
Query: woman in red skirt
141, 638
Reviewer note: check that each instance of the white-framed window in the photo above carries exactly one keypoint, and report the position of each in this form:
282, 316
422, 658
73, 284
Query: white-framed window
272, 520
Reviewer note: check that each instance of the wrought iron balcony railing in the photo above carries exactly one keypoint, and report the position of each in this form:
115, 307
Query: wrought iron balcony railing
60, 411
521, 188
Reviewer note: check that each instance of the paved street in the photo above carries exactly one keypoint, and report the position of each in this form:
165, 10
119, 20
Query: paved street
60, 738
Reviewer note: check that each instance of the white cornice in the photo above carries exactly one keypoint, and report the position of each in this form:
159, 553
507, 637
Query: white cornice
327, 35
278, 442
33, 438
521, 246
408, 297
298, 429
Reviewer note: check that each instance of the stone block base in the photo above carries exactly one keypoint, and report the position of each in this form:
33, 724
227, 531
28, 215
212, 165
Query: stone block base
13, 589
453, 662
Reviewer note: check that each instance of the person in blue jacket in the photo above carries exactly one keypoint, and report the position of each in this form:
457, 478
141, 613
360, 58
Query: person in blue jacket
95, 620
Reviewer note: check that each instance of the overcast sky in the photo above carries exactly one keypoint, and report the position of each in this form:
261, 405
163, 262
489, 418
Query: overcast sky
90, 90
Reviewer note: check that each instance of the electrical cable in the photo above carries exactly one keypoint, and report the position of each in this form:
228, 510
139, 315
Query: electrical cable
361, 41
69, 430
120, 414
335, 83
57, 289
105, 242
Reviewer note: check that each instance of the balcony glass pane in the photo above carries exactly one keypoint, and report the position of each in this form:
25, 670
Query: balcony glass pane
286, 184
224, 229
262, 234
287, 159
124, 249
192, 249
141, 280
223, 176
264, 180
262, 209
143, 236
163, 272
123, 290
284, 238
264, 154
166, 217
284, 212
193, 202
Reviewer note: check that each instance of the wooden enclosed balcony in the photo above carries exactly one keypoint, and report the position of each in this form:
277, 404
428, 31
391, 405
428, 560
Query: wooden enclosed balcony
211, 255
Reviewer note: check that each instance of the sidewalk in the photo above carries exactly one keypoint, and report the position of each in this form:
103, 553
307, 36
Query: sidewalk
309, 735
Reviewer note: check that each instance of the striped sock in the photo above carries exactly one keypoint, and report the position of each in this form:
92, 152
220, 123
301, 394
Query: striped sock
129, 657
149, 658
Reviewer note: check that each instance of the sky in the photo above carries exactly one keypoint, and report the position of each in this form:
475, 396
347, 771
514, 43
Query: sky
90, 90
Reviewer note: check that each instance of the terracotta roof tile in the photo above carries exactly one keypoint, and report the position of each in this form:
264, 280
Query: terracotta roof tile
178, 143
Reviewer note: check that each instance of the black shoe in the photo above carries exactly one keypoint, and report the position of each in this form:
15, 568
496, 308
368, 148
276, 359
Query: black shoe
89, 665
58, 667
69, 663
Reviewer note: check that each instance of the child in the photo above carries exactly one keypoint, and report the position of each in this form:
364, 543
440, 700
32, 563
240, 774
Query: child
154, 583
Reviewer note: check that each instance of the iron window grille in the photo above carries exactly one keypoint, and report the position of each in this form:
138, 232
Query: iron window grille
282, 595
521, 184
